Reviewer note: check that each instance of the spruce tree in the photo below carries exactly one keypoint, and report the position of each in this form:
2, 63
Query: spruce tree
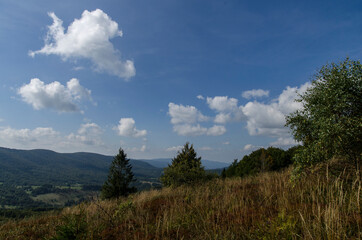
119, 178
185, 168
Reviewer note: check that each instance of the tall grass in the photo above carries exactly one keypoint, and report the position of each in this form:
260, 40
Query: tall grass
267, 206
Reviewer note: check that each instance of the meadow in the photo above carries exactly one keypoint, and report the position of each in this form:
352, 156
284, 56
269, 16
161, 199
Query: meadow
323, 204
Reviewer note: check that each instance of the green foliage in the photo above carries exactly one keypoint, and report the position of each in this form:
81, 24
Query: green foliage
185, 168
74, 227
119, 178
329, 124
261, 160
124, 209
282, 227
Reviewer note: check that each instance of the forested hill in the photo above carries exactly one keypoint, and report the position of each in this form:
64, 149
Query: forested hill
38, 167
163, 162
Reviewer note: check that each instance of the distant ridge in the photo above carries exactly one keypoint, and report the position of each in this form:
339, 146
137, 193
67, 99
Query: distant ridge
163, 162
41, 166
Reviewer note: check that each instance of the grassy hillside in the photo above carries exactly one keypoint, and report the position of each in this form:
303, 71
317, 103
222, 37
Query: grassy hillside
267, 206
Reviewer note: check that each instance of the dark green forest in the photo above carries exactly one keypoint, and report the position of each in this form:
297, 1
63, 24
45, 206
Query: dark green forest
41, 179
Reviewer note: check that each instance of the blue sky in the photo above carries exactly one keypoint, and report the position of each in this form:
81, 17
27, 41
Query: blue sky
148, 76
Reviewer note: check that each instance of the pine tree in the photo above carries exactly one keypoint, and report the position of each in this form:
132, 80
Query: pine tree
185, 168
119, 178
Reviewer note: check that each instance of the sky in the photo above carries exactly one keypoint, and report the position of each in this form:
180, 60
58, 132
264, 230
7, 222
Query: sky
149, 76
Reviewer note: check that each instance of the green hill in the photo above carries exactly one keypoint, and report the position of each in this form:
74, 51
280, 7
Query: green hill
28, 177
37, 167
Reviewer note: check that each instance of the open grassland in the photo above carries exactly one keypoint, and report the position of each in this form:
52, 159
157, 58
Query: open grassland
267, 206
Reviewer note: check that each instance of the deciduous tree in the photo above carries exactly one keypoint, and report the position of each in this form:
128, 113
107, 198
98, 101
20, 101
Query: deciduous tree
330, 122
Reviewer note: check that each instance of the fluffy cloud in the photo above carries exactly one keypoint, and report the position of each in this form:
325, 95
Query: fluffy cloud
227, 109
200, 97
255, 93
216, 130
27, 136
88, 38
222, 103
88, 134
249, 147
184, 114
126, 127
269, 119
264, 119
54, 95
87, 138
185, 120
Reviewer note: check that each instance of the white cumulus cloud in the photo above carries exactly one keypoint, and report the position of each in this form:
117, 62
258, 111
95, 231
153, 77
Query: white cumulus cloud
184, 114
269, 119
87, 138
216, 130
88, 38
227, 109
126, 127
255, 93
185, 120
88, 134
24, 138
54, 95
222, 103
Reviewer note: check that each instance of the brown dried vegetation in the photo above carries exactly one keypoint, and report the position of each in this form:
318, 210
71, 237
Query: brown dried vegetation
267, 206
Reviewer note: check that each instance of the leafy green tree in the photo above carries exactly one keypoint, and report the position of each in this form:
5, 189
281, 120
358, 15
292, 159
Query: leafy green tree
185, 168
119, 178
261, 160
330, 122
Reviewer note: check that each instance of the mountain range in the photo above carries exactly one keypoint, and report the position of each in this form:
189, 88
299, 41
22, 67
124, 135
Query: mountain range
39, 166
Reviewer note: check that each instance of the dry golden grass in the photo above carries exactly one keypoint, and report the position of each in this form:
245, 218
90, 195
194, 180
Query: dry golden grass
268, 206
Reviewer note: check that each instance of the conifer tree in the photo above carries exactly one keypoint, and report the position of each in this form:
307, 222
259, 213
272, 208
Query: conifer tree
185, 168
119, 178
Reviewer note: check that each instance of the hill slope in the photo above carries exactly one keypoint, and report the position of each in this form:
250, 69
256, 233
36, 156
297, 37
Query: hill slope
43, 178
37, 167
267, 206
